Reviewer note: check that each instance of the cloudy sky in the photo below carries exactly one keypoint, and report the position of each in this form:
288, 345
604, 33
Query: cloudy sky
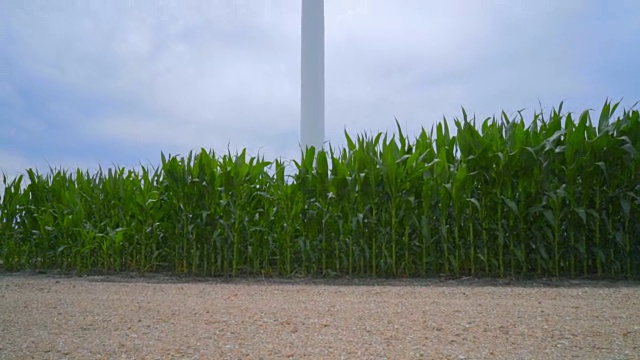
108, 82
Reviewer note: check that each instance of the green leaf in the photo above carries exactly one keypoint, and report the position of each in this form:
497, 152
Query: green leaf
511, 204
582, 214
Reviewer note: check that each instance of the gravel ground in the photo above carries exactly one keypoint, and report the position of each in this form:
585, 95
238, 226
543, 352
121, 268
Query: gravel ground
120, 317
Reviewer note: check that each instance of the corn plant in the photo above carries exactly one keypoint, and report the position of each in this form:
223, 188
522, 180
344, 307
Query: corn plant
559, 195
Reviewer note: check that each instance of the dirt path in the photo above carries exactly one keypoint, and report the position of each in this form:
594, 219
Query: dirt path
49, 317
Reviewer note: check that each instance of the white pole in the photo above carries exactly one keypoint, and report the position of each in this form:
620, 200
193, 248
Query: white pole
312, 74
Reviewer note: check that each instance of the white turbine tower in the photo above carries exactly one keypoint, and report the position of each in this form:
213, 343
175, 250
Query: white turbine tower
312, 74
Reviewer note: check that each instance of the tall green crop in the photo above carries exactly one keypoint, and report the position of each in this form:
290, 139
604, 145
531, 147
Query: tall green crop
558, 195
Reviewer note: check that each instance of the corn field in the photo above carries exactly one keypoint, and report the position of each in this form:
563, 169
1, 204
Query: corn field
557, 197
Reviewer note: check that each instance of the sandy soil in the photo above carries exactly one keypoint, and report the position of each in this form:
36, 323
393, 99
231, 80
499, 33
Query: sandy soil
54, 317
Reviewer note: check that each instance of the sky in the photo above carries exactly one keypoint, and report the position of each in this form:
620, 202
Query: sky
113, 82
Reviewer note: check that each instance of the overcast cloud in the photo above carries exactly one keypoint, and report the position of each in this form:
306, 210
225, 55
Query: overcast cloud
108, 82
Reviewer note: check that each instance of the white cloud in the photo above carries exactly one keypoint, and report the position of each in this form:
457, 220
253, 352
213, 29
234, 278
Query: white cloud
186, 74
12, 164
9, 96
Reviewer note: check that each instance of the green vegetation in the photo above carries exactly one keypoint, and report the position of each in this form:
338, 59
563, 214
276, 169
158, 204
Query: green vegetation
558, 197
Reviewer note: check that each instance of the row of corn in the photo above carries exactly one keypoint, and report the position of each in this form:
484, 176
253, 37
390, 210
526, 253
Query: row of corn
555, 196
